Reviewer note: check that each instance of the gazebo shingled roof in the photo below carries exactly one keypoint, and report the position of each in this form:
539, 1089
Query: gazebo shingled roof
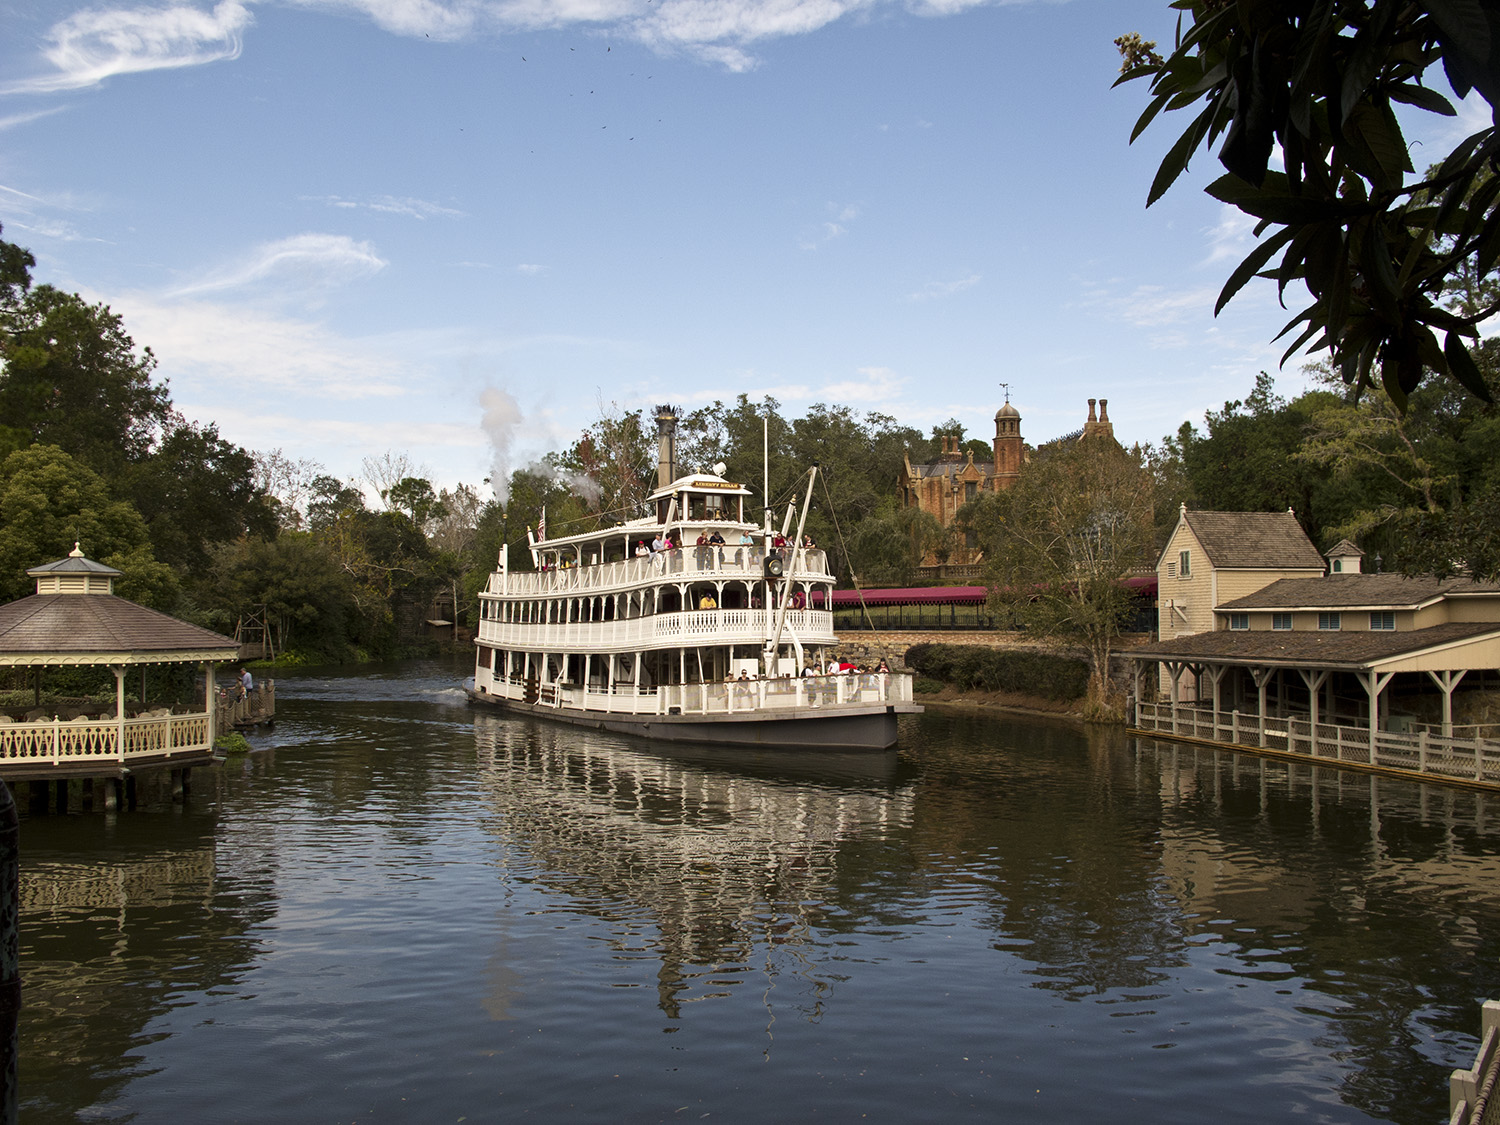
91, 625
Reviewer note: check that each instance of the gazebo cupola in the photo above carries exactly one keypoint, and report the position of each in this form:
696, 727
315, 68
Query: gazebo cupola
74, 575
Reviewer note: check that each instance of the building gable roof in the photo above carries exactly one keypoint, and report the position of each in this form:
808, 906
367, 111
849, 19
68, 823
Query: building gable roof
1253, 540
1377, 591
1315, 648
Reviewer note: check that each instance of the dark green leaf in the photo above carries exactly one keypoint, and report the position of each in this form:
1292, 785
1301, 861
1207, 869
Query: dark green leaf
1462, 367
1251, 266
1423, 98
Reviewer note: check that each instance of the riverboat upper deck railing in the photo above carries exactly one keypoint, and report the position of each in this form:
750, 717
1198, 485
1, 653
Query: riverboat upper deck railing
654, 630
738, 561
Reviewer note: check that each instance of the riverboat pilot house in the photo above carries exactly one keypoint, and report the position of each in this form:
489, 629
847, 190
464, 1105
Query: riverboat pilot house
1264, 642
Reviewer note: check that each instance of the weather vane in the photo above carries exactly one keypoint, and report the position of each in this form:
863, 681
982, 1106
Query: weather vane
1006, 388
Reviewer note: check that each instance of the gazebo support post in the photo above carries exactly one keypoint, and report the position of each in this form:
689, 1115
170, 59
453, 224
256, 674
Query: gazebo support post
210, 703
119, 671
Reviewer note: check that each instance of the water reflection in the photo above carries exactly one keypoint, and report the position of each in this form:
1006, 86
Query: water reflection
731, 868
397, 902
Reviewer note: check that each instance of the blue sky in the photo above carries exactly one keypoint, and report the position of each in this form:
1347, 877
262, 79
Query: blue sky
353, 226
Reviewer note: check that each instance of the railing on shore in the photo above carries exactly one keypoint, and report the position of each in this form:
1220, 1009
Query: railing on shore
155, 735
1420, 753
231, 710
1472, 1095
691, 561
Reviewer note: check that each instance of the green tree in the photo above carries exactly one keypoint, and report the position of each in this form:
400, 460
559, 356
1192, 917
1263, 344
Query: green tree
617, 459
72, 377
49, 501
1247, 461
415, 498
308, 596
1060, 542
196, 490
1377, 248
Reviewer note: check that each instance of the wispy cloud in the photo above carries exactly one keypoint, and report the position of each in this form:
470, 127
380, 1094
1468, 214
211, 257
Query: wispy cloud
19, 119
234, 350
937, 290
836, 226
304, 261
97, 43
1232, 237
530, 269
92, 45
393, 205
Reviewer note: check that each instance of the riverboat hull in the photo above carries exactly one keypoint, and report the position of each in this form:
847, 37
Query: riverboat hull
848, 728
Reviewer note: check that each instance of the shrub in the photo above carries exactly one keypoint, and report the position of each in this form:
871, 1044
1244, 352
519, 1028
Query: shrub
976, 667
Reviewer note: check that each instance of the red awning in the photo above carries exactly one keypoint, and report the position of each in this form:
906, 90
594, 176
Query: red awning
916, 595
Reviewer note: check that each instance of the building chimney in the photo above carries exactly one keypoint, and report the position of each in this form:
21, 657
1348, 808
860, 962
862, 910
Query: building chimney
666, 445
1091, 410
1104, 410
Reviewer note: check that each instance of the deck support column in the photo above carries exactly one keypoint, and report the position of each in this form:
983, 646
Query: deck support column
1314, 685
1375, 683
1261, 676
1446, 682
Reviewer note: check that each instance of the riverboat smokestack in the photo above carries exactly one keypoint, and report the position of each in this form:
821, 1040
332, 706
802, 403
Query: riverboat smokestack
666, 445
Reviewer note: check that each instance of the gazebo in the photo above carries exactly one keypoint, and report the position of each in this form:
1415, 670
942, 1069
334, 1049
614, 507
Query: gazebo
75, 620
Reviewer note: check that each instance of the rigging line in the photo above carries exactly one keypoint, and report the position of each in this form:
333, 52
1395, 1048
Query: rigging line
838, 532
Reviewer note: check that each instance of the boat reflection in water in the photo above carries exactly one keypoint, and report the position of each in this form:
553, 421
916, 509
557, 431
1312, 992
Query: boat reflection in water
731, 853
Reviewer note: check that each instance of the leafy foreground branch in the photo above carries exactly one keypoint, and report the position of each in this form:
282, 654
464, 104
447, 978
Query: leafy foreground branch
1378, 249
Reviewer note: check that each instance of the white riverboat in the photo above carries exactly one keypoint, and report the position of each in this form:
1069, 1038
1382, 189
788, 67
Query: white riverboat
710, 642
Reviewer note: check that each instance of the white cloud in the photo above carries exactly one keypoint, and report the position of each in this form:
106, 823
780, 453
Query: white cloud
936, 290
236, 351
96, 43
303, 261
530, 269
875, 384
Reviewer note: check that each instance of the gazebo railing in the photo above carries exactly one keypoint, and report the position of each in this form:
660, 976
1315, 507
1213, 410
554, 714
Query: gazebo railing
1421, 752
66, 741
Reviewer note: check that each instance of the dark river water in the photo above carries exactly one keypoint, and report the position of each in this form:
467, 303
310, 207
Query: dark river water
398, 909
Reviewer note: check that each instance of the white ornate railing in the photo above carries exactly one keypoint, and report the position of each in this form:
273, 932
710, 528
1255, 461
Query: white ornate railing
689, 562
657, 630
1469, 759
61, 741
733, 697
